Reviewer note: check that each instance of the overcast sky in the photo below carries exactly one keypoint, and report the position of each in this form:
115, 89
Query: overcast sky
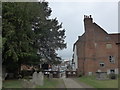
71, 14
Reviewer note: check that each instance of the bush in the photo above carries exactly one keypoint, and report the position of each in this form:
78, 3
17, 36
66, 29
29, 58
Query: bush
80, 74
113, 76
26, 73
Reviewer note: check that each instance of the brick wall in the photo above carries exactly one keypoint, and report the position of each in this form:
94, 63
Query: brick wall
95, 46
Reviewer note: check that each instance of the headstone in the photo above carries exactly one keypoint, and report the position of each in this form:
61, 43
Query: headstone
40, 78
35, 77
50, 75
28, 84
101, 75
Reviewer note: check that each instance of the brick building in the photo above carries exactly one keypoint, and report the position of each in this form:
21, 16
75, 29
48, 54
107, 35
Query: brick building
96, 50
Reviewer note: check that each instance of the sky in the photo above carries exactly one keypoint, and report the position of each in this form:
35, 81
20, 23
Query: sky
71, 14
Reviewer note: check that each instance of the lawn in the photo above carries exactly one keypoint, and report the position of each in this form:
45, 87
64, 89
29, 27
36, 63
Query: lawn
91, 80
51, 83
12, 84
48, 83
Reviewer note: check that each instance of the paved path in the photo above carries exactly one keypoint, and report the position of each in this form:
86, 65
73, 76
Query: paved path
70, 83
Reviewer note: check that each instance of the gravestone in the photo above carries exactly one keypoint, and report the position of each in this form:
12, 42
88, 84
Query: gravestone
35, 77
28, 84
101, 75
40, 78
50, 75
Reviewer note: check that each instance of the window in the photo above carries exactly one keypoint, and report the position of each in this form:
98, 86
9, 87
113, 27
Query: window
102, 64
111, 59
108, 46
112, 71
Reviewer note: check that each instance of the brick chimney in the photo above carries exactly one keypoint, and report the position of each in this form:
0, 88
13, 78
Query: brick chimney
88, 22
89, 36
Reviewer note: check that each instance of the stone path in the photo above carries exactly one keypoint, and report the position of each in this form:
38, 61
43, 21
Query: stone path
70, 83
61, 83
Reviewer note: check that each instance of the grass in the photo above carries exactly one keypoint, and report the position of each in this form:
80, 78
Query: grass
48, 83
91, 80
12, 84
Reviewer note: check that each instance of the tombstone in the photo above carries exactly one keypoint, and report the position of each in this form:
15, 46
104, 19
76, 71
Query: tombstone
101, 75
50, 75
28, 84
40, 79
35, 77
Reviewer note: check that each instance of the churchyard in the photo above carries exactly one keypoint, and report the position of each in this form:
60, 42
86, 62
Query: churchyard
92, 81
48, 83
30, 59
37, 81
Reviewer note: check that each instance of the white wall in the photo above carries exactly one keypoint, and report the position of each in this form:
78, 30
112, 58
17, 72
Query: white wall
75, 58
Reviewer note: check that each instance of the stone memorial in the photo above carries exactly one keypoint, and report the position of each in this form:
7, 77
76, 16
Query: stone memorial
28, 84
50, 75
101, 75
40, 78
35, 77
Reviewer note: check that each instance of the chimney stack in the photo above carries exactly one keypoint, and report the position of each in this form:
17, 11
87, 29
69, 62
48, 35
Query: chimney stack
88, 18
88, 23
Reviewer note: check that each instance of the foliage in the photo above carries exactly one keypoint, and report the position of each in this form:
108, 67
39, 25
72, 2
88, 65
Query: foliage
29, 36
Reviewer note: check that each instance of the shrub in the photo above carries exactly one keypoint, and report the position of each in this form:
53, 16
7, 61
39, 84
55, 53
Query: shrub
113, 76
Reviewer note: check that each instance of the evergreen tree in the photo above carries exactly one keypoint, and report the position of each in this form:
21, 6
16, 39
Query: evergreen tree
29, 35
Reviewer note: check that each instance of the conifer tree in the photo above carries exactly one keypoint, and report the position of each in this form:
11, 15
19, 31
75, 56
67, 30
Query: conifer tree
29, 36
